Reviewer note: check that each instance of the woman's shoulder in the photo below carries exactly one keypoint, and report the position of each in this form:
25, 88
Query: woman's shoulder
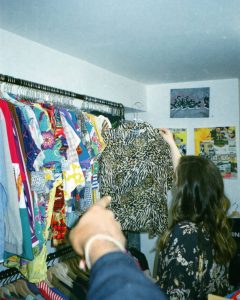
184, 235
185, 228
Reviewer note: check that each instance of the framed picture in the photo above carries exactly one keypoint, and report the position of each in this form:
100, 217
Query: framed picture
189, 103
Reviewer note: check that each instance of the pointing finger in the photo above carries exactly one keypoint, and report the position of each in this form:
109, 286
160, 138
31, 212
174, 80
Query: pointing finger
104, 201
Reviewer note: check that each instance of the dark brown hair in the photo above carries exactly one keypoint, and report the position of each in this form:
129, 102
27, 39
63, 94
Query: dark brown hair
200, 198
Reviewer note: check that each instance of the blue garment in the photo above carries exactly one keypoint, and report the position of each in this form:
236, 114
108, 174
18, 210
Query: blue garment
71, 119
33, 288
49, 147
59, 293
115, 276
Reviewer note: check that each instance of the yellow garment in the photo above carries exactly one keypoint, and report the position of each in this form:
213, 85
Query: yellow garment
72, 177
36, 270
92, 119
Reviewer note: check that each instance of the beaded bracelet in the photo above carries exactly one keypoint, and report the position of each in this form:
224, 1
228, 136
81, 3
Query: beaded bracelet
103, 237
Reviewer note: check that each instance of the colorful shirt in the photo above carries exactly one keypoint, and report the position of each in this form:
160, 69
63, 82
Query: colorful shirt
71, 169
49, 147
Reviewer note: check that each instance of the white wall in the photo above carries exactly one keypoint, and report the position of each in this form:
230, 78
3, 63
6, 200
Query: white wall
22, 58
224, 111
25, 59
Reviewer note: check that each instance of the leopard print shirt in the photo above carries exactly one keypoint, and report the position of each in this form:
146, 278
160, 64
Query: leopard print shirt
136, 171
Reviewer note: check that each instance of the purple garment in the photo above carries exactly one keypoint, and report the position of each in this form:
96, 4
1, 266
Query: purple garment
32, 287
27, 192
30, 147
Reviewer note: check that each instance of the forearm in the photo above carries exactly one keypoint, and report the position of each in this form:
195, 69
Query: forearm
175, 154
115, 276
99, 245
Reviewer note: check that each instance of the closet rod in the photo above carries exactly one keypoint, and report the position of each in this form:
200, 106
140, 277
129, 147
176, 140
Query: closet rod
49, 89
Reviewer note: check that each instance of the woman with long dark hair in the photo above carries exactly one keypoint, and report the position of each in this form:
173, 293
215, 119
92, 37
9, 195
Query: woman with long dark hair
194, 254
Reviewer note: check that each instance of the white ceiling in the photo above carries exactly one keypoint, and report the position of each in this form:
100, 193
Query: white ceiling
151, 41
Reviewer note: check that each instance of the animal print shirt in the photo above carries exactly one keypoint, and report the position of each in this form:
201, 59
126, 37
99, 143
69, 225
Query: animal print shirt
136, 171
183, 273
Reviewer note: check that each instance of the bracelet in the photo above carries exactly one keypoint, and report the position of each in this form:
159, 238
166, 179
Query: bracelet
100, 237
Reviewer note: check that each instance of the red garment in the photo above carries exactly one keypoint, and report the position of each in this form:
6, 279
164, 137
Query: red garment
11, 140
236, 296
59, 199
46, 291
58, 223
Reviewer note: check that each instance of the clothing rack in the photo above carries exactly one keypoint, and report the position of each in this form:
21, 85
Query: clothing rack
12, 274
117, 107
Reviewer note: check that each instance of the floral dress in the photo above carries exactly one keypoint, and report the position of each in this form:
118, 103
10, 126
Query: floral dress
186, 267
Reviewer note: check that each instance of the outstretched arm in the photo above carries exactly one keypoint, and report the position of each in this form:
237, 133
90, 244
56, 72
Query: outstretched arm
114, 275
175, 153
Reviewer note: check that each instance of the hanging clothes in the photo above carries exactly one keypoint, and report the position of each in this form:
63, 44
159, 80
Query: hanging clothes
136, 171
33, 145
48, 173
24, 195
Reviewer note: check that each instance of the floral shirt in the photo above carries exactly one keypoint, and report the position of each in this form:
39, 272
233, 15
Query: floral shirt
186, 267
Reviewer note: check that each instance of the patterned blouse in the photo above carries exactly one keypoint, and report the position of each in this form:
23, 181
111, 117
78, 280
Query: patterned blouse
186, 267
136, 171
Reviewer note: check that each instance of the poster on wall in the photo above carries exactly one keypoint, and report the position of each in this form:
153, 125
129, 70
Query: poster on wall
189, 103
219, 145
180, 138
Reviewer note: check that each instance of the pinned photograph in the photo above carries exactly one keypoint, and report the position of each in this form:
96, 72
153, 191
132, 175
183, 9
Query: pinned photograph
180, 138
219, 145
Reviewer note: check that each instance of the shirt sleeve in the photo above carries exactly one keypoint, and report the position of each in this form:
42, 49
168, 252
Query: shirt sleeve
115, 277
178, 264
